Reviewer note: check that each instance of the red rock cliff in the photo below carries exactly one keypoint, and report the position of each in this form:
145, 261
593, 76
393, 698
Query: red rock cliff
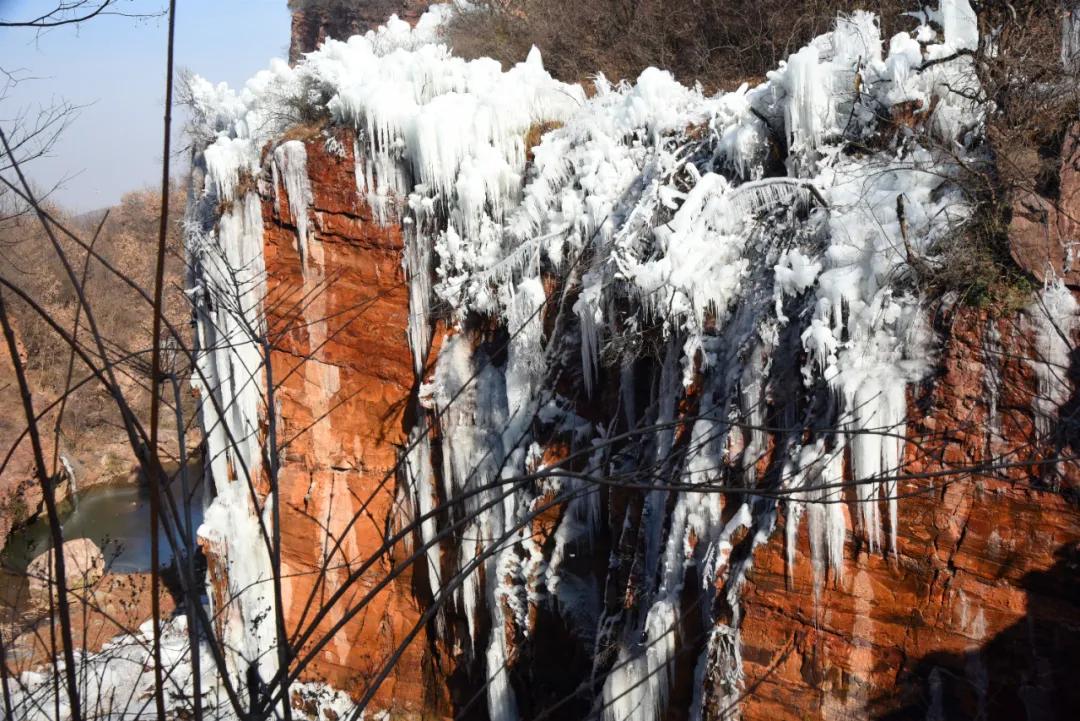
976, 613
344, 369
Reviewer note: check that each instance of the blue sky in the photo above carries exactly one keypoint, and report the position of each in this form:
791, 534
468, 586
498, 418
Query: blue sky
115, 68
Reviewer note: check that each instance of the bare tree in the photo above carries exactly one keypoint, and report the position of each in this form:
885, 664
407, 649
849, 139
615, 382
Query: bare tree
69, 12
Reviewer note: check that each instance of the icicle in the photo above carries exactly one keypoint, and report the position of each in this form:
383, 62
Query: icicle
637, 688
757, 196
290, 159
502, 704
587, 308
417, 264
809, 109
69, 473
228, 265
857, 39
821, 472
419, 472
1055, 315
960, 24
525, 362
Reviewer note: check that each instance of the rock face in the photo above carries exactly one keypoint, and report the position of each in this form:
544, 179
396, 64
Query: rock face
974, 614
84, 565
315, 20
344, 371
1045, 233
109, 606
977, 611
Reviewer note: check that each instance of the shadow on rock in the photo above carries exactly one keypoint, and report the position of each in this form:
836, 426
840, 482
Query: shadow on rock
1028, 672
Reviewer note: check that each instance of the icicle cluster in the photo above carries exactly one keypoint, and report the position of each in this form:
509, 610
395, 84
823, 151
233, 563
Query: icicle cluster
1055, 319
744, 273
227, 287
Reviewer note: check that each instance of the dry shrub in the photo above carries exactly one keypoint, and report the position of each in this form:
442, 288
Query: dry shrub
1028, 86
316, 20
128, 240
1032, 96
975, 264
717, 42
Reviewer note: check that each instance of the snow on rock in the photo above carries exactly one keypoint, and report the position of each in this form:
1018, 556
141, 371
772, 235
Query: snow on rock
115, 684
426, 118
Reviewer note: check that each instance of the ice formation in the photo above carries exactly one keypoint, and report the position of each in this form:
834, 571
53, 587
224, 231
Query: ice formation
1055, 317
653, 222
290, 167
116, 686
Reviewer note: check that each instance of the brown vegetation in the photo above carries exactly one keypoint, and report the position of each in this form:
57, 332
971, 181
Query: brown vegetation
1026, 83
90, 435
717, 42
